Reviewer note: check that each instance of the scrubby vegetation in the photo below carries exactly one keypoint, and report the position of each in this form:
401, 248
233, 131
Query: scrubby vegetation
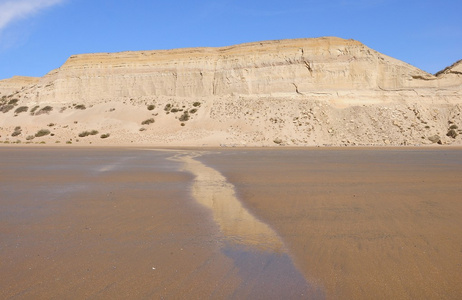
45, 110
151, 107
32, 111
148, 121
80, 106
21, 109
87, 133
42, 132
13, 101
6, 108
186, 112
184, 117
105, 136
17, 131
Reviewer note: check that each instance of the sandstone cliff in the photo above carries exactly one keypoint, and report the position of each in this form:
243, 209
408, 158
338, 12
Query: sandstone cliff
300, 92
13, 85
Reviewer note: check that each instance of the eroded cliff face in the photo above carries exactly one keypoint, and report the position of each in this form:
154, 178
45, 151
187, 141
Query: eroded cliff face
16, 83
323, 91
299, 66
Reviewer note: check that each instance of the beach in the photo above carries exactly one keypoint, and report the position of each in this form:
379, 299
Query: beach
217, 223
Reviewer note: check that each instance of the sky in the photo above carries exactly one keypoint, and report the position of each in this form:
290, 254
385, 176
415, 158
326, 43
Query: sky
37, 36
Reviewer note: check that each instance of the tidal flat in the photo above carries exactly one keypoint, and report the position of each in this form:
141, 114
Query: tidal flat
316, 223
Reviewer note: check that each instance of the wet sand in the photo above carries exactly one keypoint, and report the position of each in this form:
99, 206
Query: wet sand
256, 224
360, 223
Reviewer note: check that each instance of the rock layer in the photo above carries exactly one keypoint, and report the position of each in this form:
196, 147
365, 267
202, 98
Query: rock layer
266, 68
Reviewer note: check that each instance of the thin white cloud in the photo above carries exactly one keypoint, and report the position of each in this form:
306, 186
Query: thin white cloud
13, 10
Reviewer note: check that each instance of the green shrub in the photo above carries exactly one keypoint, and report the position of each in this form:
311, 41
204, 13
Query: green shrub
80, 106
193, 111
21, 109
104, 136
148, 121
30, 137
151, 107
94, 132
196, 104
167, 107
42, 132
174, 110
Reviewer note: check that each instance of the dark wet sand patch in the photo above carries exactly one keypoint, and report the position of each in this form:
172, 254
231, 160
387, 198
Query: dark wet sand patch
362, 223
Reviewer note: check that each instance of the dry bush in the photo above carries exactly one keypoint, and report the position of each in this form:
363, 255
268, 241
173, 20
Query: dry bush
21, 109
148, 121
42, 132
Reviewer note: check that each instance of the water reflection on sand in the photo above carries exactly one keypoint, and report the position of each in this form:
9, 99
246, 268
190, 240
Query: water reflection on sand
257, 251
212, 190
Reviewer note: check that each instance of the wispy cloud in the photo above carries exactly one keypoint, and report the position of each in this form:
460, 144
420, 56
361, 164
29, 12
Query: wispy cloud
13, 10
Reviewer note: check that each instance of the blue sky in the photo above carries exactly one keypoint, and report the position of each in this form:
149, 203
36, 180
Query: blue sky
37, 36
